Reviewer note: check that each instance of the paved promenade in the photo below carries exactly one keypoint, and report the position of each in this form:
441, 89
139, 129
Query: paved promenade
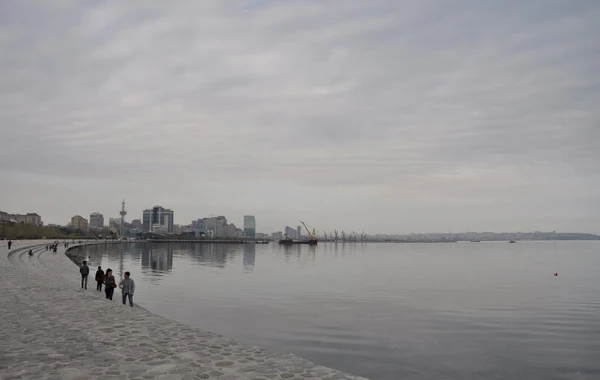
51, 329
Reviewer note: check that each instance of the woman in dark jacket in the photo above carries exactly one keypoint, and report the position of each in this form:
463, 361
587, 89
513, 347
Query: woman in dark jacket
109, 284
99, 278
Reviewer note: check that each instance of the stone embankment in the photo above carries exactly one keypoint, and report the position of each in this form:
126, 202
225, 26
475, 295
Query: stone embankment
51, 329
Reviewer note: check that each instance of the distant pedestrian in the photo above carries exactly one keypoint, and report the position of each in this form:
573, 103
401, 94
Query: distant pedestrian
99, 278
30, 252
127, 288
9, 244
85, 271
109, 284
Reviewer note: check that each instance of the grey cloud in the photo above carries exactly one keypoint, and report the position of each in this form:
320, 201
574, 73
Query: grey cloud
293, 107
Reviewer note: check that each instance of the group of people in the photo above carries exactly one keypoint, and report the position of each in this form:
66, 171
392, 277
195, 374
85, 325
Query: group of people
127, 285
52, 247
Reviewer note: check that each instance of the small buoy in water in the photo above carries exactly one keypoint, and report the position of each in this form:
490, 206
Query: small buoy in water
555, 274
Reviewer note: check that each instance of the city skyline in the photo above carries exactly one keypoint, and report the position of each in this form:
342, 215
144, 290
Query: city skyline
394, 116
219, 227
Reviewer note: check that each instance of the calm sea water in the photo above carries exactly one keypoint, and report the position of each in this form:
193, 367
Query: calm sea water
386, 311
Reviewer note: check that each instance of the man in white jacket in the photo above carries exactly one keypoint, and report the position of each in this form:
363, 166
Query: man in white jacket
127, 288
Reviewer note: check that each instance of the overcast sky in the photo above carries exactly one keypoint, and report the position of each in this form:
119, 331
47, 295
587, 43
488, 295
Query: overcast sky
376, 116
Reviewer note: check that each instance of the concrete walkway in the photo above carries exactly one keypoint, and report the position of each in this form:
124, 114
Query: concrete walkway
51, 329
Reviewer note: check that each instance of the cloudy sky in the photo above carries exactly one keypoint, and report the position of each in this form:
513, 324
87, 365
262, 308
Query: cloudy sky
376, 116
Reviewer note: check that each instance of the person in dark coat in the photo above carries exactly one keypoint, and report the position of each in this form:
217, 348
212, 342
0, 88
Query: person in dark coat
99, 278
109, 284
85, 271
9, 244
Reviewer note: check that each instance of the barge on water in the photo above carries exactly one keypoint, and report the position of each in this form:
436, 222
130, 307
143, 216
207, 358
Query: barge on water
312, 238
288, 241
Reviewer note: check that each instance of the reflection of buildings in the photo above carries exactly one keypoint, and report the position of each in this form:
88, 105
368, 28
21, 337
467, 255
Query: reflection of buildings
249, 257
158, 258
215, 255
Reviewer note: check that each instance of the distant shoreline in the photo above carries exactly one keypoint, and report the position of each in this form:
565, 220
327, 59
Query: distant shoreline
225, 241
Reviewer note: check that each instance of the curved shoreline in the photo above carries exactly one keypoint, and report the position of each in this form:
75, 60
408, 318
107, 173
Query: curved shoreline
52, 329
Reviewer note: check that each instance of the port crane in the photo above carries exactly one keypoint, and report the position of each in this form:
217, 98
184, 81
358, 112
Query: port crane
311, 234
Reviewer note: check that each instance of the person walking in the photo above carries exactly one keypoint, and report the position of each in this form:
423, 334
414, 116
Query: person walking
127, 288
99, 278
9, 244
85, 271
109, 284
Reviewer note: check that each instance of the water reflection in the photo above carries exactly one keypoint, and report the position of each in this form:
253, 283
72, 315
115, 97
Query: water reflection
215, 255
385, 311
157, 259
249, 257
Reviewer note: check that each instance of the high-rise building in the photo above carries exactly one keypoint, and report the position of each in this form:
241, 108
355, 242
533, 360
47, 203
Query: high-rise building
78, 222
290, 232
96, 220
229, 230
298, 232
249, 226
158, 219
214, 226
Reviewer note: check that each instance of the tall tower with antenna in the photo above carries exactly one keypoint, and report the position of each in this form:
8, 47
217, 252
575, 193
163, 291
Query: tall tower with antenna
123, 213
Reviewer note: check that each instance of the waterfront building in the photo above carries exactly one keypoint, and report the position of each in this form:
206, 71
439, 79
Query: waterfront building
96, 220
298, 232
197, 227
290, 232
79, 223
249, 226
277, 235
29, 218
215, 224
114, 223
229, 230
158, 219
181, 229
136, 224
